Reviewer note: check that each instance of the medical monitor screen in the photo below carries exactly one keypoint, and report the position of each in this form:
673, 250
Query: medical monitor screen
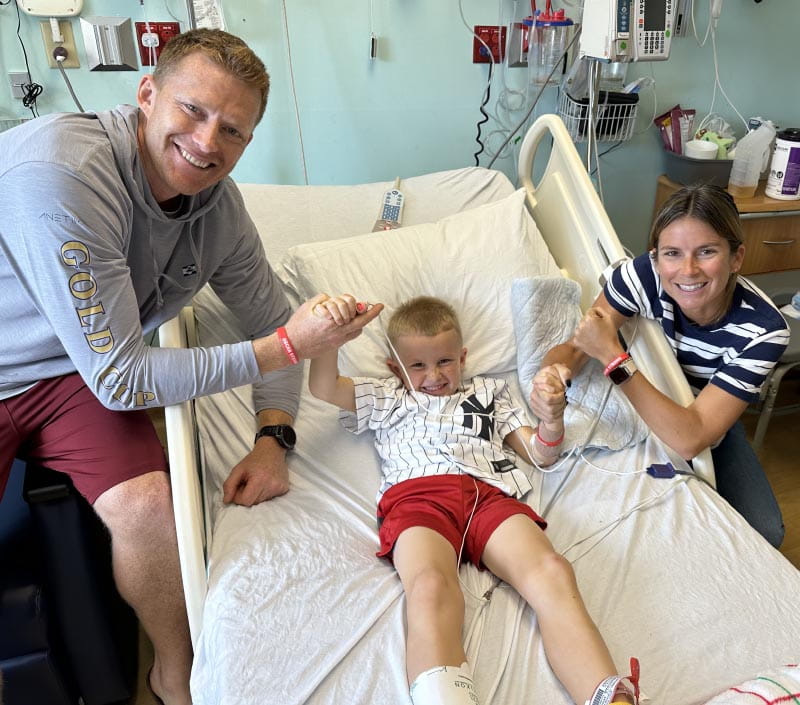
655, 15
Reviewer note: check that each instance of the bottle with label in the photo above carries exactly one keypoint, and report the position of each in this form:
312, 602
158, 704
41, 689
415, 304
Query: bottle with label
783, 182
749, 159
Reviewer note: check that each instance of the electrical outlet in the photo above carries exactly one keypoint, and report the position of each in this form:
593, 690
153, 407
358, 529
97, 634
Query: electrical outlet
65, 26
158, 35
494, 37
18, 79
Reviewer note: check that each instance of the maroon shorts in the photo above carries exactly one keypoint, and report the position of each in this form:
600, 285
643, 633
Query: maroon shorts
61, 425
444, 503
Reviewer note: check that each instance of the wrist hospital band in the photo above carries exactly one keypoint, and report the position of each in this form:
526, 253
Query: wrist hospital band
550, 444
287, 346
616, 362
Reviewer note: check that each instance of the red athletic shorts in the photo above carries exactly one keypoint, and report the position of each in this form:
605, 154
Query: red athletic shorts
444, 503
61, 425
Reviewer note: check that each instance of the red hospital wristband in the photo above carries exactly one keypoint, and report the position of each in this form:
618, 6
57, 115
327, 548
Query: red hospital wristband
550, 444
616, 362
287, 346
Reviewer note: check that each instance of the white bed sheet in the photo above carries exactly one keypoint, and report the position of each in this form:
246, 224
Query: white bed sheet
300, 611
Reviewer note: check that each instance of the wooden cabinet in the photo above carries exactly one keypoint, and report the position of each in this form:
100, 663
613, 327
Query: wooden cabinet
771, 229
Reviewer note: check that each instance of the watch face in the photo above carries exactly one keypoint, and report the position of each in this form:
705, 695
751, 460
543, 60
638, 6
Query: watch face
288, 436
618, 375
623, 372
283, 433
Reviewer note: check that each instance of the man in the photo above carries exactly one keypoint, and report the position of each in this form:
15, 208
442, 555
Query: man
111, 223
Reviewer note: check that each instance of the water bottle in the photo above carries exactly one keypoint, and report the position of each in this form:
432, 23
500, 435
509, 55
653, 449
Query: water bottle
750, 159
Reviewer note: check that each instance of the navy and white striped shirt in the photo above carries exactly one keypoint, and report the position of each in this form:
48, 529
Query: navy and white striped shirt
736, 353
460, 433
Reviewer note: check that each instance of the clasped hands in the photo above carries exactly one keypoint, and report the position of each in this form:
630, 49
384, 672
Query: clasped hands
324, 323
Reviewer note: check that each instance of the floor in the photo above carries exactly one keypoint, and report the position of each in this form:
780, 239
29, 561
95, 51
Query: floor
779, 456
781, 460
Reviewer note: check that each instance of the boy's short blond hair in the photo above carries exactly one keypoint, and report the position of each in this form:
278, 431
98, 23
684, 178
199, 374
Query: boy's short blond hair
423, 315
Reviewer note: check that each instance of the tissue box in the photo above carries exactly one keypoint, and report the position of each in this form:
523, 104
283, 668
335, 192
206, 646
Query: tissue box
688, 171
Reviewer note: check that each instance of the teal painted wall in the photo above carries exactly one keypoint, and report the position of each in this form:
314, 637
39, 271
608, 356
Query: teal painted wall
414, 109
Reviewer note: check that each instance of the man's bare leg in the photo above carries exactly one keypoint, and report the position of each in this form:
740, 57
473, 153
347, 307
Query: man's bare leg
138, 513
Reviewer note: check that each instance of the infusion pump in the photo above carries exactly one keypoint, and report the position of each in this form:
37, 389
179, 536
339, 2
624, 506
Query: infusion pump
628, 30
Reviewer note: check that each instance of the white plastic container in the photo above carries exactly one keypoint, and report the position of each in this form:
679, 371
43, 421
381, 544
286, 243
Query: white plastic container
700, 149
783, 182
750, 159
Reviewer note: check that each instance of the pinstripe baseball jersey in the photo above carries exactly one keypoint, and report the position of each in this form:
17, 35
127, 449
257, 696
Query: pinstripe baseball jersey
418, 435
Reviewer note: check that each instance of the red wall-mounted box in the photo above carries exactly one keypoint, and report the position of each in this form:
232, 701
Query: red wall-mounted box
163, 31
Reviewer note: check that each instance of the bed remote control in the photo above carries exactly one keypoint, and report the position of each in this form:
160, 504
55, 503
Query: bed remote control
391, 209
392, 205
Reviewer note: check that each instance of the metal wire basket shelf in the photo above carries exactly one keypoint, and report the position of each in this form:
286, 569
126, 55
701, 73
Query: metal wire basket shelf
616, 116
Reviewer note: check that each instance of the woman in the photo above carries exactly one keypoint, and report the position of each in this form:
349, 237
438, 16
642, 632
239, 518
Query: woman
727, 336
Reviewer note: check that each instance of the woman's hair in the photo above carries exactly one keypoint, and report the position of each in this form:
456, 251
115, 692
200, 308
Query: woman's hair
224, 49
710, 204
423, 315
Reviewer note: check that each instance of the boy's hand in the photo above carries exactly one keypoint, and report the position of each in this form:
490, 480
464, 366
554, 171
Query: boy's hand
548, 392
340, 309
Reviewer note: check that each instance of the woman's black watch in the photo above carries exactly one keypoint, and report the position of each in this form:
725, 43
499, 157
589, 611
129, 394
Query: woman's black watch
283, 433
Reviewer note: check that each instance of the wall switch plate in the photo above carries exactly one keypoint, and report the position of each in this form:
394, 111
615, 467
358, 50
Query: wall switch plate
65, 27
494, 37
108, 42
18, 79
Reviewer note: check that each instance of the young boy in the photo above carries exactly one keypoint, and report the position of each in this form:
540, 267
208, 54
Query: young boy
449, 491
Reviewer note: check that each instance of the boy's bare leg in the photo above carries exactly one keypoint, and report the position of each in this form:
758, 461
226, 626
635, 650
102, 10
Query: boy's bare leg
144, 547
426, 564
519, 553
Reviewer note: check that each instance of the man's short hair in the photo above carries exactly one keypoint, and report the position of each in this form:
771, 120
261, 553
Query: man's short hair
423, 315
226, 50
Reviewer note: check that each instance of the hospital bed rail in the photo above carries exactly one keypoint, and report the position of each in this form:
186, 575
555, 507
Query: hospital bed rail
564, 200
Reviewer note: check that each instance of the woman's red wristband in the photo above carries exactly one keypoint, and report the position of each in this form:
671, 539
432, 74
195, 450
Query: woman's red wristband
287, 346
550, 444
616, 362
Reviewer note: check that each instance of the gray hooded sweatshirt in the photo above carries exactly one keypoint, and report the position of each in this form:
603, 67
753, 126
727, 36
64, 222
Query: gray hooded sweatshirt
90, 264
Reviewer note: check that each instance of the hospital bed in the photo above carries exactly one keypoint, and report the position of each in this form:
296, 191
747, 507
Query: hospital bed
288, 604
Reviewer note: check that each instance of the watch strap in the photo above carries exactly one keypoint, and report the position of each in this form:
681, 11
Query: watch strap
283, 433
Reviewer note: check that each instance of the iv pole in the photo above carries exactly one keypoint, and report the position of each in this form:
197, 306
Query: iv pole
191, 17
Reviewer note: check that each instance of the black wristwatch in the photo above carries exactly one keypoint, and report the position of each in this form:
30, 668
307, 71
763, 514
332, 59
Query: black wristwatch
623, 371
283, 433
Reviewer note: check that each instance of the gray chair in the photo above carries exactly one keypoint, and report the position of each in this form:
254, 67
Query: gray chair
780, 287
65, 633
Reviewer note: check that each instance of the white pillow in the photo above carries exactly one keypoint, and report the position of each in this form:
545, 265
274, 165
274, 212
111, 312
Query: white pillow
546, 310
468, 259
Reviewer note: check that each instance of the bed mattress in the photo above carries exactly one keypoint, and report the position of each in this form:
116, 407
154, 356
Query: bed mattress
300, 611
